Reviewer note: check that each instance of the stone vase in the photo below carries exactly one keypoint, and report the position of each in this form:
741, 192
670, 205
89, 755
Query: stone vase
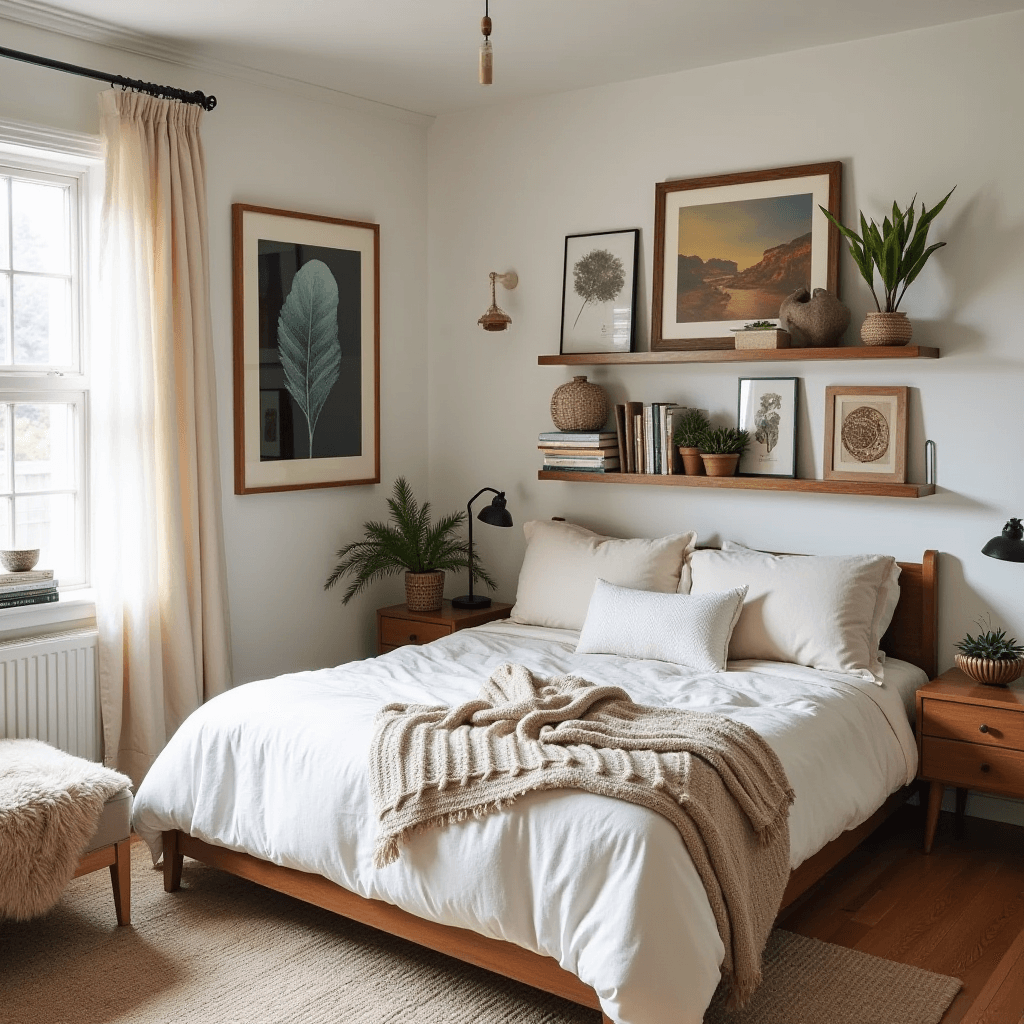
815, 320
579, 406
693, 464
424, 591
886, 329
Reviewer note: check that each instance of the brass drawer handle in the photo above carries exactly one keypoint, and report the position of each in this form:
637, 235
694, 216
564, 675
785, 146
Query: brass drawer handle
986, 768
983, 728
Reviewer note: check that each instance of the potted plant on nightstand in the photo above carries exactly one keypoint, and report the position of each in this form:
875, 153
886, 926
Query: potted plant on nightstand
991, 657
424, 551
690, 427
721, 448
899, 251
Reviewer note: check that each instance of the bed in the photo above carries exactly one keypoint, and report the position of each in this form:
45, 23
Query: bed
268, 782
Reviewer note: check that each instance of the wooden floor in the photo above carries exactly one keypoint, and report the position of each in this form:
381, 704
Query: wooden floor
959, 911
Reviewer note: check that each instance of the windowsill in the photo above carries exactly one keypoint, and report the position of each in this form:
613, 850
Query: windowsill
76, 608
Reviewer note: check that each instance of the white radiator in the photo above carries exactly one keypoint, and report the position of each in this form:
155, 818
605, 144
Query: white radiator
49, 691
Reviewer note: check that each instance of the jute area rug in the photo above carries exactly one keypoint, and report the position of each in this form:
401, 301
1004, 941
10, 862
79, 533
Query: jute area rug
226, 951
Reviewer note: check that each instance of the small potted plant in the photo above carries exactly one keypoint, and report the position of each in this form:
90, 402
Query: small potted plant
760, 334
409, 544
898, 250
721, 448
690, 427
990, 657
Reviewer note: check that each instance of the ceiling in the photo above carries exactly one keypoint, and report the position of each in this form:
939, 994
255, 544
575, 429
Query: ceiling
420, 55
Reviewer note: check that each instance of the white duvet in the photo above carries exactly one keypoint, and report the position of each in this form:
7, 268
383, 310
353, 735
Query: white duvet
279, 769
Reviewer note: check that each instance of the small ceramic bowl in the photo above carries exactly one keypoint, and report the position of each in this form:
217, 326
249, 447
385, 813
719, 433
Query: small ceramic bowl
19, 559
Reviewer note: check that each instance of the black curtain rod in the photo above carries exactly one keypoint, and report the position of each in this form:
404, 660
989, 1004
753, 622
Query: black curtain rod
163, 91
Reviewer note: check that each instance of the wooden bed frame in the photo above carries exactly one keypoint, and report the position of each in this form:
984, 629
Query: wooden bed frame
912, 637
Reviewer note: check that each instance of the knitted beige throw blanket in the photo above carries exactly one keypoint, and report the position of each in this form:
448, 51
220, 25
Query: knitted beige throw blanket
716, 780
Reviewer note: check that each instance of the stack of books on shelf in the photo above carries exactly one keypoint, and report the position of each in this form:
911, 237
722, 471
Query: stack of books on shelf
21, 588
644, 437
594, 451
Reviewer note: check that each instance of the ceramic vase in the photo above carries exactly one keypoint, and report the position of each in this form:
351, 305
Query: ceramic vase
990, 671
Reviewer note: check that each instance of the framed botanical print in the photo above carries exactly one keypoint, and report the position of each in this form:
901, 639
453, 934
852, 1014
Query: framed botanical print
306, 350
866, 434
599, 292
767, 411
730, 247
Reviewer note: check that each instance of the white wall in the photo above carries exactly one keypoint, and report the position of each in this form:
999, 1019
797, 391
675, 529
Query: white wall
272, 149
910, 113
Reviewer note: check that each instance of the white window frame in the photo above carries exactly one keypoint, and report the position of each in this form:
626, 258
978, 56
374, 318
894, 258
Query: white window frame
70, 159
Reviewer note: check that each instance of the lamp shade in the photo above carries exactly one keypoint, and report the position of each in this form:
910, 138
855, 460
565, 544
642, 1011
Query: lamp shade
1009, 545
496, 514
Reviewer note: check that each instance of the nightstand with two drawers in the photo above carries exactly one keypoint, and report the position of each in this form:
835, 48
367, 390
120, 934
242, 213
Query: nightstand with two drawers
397, 626
970, 736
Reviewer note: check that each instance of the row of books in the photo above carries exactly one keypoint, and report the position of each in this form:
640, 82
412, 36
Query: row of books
640, 443
23, 588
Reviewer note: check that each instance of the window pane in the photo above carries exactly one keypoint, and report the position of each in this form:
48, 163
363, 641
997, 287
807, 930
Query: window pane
5, 483
5, 341
43, 446
42, 321
47, 522
42, 239
5, 523
5, 256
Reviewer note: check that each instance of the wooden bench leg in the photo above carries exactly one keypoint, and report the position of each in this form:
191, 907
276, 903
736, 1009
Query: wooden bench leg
934, 805
172, 862
121, 881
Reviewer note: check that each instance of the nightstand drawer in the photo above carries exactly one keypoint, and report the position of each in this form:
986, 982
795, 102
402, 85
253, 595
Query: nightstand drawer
974, 724
973, 766
396, 632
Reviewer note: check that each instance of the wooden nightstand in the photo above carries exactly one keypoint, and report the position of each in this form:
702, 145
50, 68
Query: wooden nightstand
397, 626
969, 736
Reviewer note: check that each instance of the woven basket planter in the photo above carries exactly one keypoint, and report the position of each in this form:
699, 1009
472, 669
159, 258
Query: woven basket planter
424, 591
579, 405
991, 672
886, 329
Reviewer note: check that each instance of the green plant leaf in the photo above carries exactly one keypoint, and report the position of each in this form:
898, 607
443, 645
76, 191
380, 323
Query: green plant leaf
307, 338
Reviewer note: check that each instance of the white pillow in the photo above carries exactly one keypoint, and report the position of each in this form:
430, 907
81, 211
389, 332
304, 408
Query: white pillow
815, 610
564, 561
680, 628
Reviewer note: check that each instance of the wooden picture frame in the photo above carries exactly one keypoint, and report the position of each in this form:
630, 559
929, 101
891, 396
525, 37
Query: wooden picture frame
733, 219
866, 434
767, 408
306, 350
599, 283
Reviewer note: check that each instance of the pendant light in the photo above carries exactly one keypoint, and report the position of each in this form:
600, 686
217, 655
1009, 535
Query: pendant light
486, 54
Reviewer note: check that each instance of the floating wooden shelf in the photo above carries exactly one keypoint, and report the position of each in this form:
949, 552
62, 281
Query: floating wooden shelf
729, 355
752, 483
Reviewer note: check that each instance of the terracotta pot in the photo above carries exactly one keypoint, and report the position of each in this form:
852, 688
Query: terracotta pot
693, 464
721, 465
886, 329
991, 672
424, 591
579, 405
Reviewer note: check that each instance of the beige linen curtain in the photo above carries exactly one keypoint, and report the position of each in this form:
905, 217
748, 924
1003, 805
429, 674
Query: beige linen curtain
158, 563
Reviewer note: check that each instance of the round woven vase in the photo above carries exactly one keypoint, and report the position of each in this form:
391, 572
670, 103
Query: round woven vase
693, 464
424, 591
886, 329
579, 405
990, 671
721, 465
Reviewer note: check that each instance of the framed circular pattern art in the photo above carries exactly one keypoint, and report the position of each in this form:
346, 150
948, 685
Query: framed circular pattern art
866, 434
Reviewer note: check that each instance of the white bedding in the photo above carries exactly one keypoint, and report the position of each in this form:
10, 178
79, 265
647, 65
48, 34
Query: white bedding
278, 769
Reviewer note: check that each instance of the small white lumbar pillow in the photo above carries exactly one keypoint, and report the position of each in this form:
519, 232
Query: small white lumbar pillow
814, 610
564, 561
683, 629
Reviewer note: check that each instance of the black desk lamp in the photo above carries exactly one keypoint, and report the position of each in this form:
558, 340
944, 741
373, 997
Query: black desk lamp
1009, 546
494, 514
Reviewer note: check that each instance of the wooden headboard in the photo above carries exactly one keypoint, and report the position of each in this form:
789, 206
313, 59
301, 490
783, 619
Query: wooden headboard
913, 634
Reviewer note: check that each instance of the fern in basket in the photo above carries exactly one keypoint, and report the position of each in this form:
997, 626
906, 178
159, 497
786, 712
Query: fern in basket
409, 543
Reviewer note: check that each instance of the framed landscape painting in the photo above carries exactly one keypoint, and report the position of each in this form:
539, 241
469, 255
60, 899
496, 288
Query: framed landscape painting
729, 248
866, 434
599, 292
306, 350
767, 411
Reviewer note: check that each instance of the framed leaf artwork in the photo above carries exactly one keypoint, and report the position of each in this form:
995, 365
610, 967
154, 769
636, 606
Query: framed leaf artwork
599, 292
866, 434
306, 350
767, 411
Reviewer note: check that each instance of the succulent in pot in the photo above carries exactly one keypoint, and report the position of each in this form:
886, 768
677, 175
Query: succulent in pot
690, 427
721, 448
412, 544
991, 657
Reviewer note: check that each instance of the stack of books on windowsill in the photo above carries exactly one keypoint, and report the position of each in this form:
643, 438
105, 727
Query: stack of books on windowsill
22, 588
595, 451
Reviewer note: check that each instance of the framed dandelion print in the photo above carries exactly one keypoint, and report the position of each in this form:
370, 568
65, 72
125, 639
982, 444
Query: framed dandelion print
599, 292
729, 248
866, 434
767, 411
306, 350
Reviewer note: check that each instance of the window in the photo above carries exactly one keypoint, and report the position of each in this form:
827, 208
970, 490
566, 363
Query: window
43, 384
